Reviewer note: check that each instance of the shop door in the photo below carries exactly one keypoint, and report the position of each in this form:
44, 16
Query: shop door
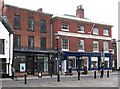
30, 67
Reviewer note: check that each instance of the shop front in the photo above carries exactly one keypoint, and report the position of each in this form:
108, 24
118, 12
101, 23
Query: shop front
31, 63
77, 60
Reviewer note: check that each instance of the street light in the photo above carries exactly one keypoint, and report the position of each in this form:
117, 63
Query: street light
57, 38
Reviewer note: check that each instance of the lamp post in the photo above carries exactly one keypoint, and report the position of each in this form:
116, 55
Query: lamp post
58, 76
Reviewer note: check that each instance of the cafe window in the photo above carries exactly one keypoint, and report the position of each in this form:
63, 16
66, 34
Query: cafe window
94, 62
72, 61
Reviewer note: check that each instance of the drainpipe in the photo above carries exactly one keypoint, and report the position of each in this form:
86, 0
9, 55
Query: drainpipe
51, 33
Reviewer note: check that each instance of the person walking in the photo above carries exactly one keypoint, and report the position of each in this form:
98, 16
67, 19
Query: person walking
70, 70
102, 70
13, 73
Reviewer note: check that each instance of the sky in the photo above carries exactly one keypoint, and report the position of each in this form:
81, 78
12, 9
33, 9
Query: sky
98, 10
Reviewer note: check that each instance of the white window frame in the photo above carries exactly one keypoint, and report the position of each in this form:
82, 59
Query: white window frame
82, 43
65, 25
63, 49
106, 34
81, 29
97, 42
96, 32
104, 46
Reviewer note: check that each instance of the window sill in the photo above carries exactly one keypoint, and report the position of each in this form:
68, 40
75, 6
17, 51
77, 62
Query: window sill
65, 29
106, 51
81, 51
31, 30
96, 51
65, 49
105, 34
81, 32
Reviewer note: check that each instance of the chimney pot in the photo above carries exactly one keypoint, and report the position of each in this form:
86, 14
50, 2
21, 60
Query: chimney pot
40, 10
80, 11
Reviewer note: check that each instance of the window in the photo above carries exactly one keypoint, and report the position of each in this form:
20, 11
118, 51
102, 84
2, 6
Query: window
30, 24
65, 43
80, 28
2, 45
43, 43
95, 46
43, 64
94, 62
65, 27
72, 61
106, 62
95, 31
105, 32
30, 42
106, 46
43, 26
80, 44
18, 61
17, 41
17, 22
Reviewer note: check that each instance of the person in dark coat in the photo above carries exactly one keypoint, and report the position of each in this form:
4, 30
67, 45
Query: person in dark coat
70, 70
102, 70
85, 70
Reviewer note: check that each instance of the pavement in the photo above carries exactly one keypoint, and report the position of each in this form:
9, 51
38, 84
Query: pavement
65, 81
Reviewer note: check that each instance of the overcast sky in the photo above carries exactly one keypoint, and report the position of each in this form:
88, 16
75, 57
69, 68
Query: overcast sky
99, 10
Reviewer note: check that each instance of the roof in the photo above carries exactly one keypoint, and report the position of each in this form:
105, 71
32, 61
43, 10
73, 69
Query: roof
84, 20
6, 23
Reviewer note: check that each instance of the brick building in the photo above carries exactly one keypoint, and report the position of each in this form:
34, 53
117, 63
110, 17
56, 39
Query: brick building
114, 55
32, 39
82, 40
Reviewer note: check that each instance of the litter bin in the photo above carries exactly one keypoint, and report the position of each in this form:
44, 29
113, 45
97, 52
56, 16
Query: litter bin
39, 74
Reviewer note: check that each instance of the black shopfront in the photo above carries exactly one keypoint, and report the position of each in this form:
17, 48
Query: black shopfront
31, 62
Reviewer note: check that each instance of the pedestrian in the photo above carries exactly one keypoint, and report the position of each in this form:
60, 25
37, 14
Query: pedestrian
70, 70
13, 73
102, 70
85, 70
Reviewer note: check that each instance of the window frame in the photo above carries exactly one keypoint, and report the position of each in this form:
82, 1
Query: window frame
64, 26
81, 27
63, 44
31, 24
18, 40
30, 42
97, 46
42, 45
43, 26
17, 27
94, 32
80, 45
107, 33
2, 46
104, 46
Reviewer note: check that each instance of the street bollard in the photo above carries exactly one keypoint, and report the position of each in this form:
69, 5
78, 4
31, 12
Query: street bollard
25, 78
107, 74
94, 74
78, 75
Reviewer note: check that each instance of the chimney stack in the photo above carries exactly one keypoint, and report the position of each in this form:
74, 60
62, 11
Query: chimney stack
1, 6
40, 10
80, 11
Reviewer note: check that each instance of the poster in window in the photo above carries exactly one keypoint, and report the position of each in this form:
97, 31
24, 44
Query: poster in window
22, 67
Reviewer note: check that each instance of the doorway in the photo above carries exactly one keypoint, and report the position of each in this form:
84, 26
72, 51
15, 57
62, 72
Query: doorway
63, 69
30, 67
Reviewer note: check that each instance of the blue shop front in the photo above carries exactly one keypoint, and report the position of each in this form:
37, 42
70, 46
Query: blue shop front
77, 60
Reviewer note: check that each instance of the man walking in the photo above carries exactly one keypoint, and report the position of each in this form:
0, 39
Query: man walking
102, 70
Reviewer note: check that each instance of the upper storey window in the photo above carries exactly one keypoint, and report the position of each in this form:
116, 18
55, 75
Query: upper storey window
30, 24
17, 20
65, 27
105, 32
81, 29
95, 31
43, 26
